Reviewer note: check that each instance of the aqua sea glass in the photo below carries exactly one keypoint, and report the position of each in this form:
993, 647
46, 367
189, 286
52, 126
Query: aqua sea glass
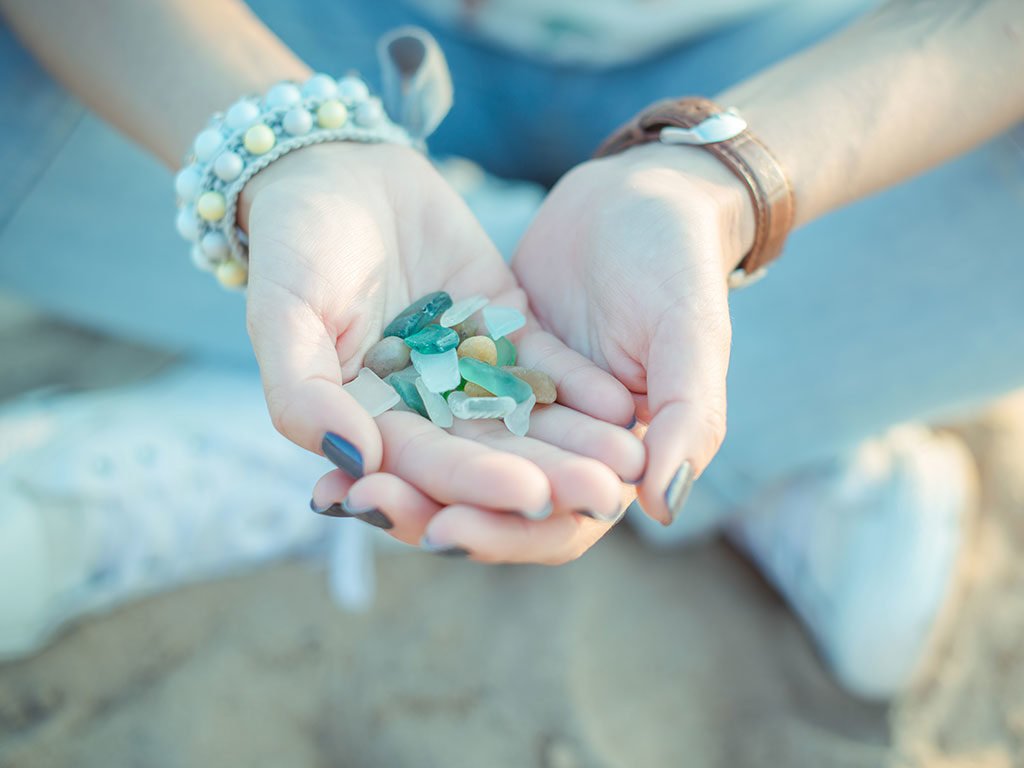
440, 372
437, 407
501, 321
462, 309
493, 379
465, 407
518, 422
433, 340
404, 383
418, 315
374, 395
506, 351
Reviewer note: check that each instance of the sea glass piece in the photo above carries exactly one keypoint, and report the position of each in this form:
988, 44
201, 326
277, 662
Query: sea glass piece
374, 395
462, 309
471, 326
501, 383
404, 383
506, 351
465, 407
518, 422
501, 321
387, 356
480, 348
437, 407
418, 315
440, 372
433, 339
543, 386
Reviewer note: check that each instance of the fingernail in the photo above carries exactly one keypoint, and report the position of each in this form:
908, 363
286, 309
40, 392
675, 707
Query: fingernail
343, 454
612, 519
542, 514
372, 516
632, 423
444, 550
678, 490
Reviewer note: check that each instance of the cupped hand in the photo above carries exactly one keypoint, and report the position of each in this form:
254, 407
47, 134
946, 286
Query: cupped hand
342, 238
627, 263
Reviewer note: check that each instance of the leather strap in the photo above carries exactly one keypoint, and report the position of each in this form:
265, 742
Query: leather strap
744, 155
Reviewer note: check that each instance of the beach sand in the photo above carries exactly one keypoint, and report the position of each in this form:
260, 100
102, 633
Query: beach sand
627, 658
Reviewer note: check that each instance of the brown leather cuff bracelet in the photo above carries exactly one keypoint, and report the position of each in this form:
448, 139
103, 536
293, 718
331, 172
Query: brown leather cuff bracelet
723, 133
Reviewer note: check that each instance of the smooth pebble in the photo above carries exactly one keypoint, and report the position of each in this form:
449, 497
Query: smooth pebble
374, 395
479, 348
465, 407
543, 386
387, 356
471, 326
437, 407
501, 321
475, 390
440, 372
462, 309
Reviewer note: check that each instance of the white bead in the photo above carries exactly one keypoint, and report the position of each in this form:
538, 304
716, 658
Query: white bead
351, 89
202, 260
228, 166
187, 223
369, 113
207, 143
242, 114
297, 121
215, 245
186, 183
282, 95
320, 86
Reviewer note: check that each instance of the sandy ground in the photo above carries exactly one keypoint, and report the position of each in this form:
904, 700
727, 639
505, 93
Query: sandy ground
626, 659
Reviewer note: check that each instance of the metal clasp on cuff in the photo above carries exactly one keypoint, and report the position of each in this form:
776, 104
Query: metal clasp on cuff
721, 127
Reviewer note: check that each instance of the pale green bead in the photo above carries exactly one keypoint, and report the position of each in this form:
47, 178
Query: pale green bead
211, 206
331, 114
259, 139
231, 274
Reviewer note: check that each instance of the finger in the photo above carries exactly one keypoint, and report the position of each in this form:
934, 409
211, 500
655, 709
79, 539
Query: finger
686, 379
623, 452
381, 500
578, 483
497, 537
456, 470
302, 382
580, 383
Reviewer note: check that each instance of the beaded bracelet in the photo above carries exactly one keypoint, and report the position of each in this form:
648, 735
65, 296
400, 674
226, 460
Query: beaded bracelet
253, 133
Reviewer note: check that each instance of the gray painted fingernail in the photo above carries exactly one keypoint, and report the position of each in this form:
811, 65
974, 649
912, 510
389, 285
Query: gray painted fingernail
678, 491
542, 514
612, 519
343, 454
632, 423
444, 550
372, 516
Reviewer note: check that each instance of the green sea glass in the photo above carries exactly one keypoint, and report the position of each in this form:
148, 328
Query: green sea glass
404, 383
433, 340
495, 380
506, 351
419, 315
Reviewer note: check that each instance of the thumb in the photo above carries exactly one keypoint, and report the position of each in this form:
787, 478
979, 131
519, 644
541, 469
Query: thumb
686, 394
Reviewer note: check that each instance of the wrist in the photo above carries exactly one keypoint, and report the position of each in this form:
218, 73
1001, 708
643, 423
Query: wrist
705, 178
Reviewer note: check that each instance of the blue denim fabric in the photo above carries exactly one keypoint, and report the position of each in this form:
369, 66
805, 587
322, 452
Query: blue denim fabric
908, 305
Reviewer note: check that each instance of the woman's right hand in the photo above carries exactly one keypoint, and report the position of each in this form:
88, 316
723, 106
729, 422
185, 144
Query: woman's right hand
342, 237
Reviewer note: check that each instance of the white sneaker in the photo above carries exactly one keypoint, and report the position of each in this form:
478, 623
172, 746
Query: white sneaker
867, 556
117, 494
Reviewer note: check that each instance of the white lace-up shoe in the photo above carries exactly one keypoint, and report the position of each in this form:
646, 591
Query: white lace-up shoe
117, 494
868, 556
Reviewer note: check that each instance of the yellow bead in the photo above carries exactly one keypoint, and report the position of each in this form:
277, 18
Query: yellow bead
259, 139
331, 114
210, 206
231, 274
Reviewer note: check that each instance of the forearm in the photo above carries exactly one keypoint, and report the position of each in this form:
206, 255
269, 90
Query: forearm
908, 87
155, 70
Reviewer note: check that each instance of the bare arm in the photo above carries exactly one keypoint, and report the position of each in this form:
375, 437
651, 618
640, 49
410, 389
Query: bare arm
909, 86
155, 70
